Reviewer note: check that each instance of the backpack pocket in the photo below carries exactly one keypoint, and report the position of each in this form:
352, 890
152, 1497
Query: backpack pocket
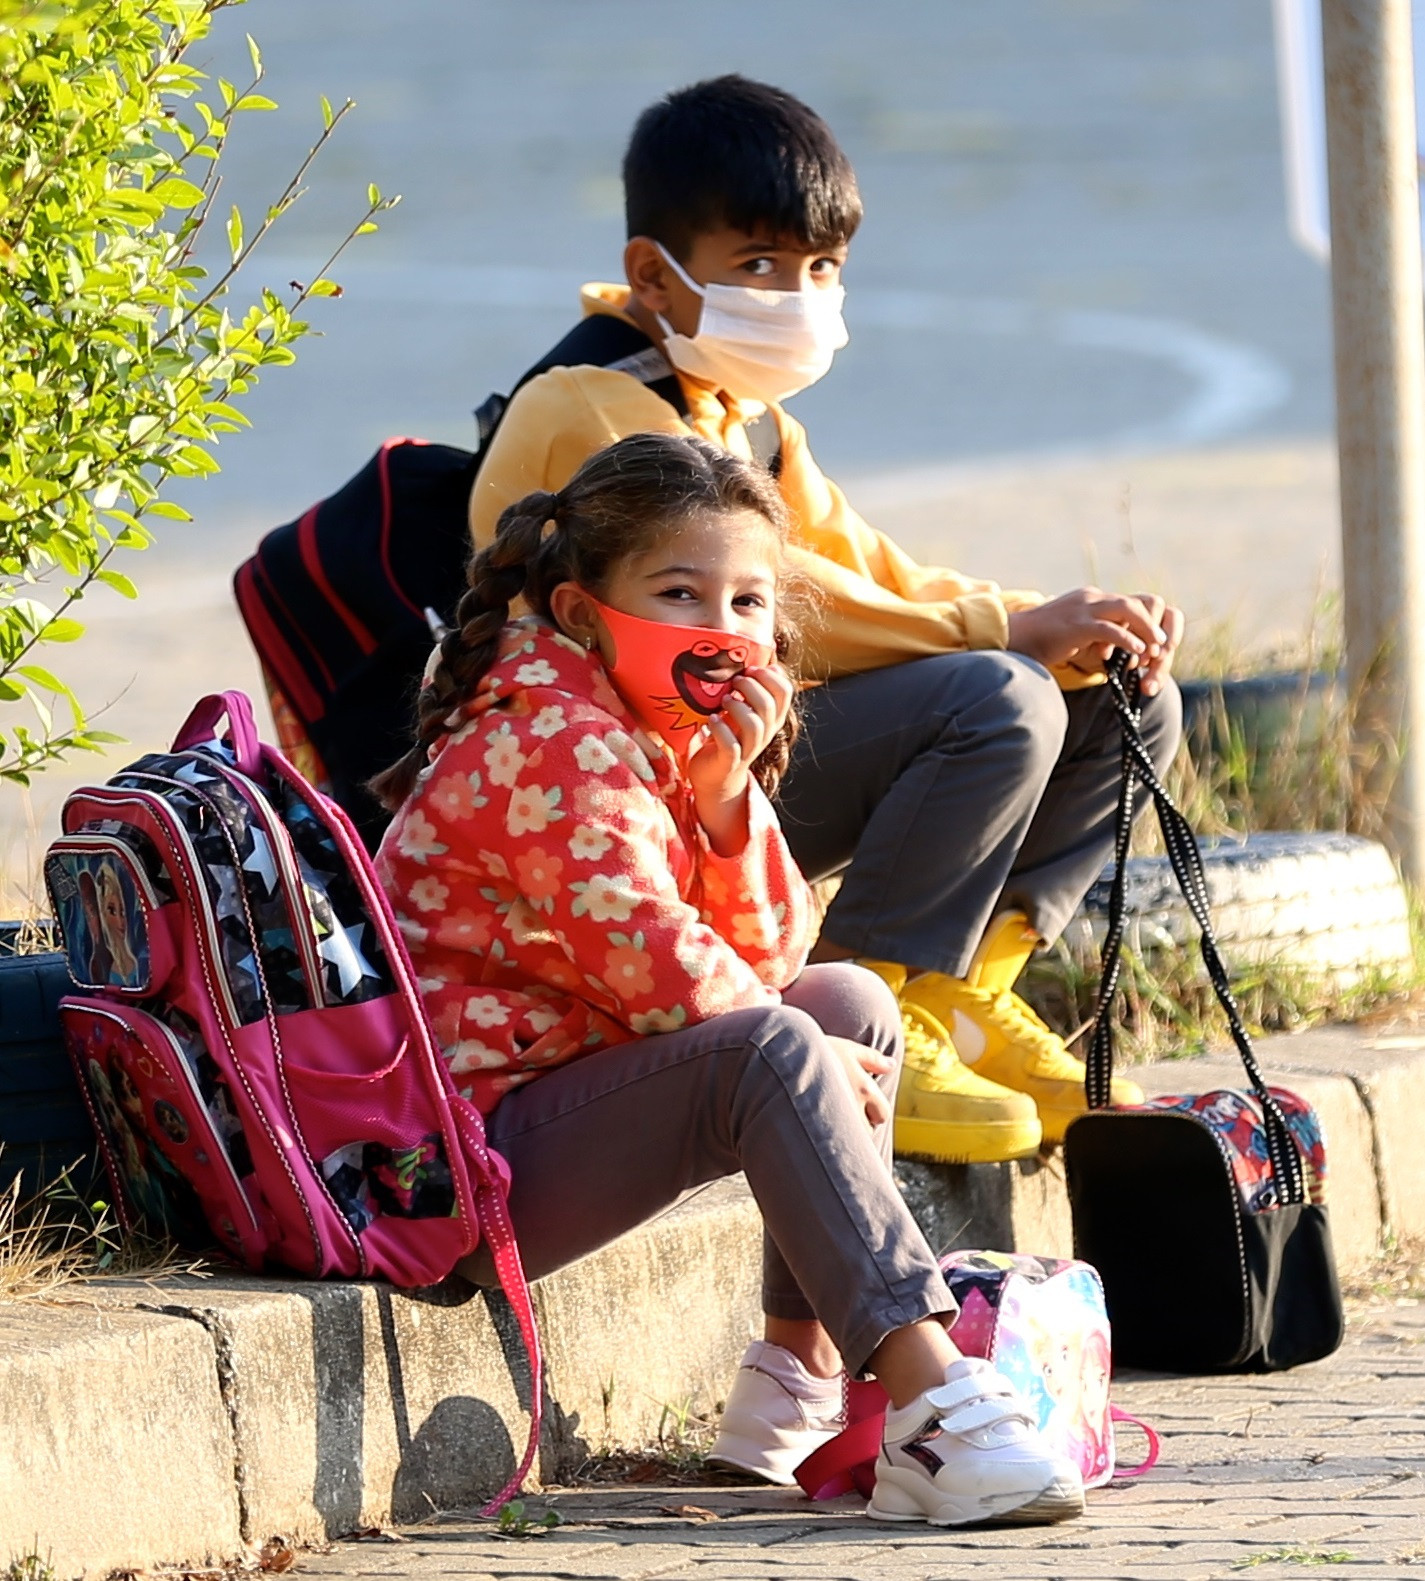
174, 1147
354, 1079
109, 912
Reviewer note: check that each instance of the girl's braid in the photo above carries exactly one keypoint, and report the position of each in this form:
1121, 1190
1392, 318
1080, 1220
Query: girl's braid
498, 575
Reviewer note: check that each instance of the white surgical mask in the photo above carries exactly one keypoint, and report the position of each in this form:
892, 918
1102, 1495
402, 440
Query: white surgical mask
758, 345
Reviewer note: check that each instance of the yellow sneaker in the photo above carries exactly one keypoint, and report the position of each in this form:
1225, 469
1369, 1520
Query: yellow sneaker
945, 1112
1000, 1037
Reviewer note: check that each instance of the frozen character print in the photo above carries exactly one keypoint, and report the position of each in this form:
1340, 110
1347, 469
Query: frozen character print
114, 922
98, 961
125, 1146
1089, 1443
171, 1123
168, 1199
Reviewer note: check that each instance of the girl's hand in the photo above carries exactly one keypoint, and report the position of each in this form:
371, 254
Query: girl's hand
862, 1065
753, 711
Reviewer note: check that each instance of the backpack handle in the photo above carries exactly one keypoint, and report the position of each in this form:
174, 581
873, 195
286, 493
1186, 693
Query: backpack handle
202, 725
1155, 1444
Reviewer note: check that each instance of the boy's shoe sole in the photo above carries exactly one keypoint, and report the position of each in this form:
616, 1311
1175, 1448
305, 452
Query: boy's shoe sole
902, 1495
978, 1142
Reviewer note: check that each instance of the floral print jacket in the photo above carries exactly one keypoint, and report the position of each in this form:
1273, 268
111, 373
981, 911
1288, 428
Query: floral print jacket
555, 888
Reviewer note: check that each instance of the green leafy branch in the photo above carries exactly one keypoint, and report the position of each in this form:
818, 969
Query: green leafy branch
121, 363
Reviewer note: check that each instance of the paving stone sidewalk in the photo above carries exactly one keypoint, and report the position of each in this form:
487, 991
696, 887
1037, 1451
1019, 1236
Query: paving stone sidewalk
1262, 1475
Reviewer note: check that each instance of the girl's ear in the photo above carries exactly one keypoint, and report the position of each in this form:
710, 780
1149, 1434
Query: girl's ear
574, 614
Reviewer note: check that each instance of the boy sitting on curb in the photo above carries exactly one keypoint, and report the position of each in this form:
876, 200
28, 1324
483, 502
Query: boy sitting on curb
965, 793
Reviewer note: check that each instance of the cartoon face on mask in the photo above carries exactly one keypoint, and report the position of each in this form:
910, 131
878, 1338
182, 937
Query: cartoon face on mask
675, 678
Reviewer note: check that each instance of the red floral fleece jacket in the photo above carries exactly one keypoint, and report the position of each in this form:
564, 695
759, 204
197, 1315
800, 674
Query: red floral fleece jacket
555, 888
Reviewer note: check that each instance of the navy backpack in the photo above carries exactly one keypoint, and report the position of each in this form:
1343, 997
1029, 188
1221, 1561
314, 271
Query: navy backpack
344, 604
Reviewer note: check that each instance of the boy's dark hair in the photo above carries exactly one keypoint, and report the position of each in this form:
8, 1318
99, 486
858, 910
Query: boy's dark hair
620, 503
734, 152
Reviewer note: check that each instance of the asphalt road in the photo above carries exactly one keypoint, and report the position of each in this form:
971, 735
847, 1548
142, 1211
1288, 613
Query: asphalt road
1074, 235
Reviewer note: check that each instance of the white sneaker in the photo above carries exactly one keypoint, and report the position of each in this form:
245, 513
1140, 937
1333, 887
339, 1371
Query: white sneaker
776, 1414
969, 1451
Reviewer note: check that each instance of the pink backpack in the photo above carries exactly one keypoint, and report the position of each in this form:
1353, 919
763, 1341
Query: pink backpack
249, 1036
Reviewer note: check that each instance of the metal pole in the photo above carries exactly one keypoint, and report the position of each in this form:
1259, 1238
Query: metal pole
1380, 402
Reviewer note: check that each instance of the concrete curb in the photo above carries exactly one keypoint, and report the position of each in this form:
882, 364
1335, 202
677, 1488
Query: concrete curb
186, 1420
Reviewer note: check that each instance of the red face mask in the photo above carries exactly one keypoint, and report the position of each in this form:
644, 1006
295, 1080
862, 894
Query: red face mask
675, 678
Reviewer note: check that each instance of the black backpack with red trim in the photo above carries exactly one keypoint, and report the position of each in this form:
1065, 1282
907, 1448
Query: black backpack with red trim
344, 604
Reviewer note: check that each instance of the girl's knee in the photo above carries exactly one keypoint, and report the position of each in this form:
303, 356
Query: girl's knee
789, 1047
848, 1001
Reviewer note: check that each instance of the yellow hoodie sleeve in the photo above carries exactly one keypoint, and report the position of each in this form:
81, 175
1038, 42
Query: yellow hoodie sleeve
878, 606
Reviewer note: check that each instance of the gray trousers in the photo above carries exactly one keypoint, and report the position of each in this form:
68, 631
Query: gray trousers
600, 1145
950, 788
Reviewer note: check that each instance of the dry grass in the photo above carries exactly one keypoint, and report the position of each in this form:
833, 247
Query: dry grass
1312, 776
1398, 1274
57, 1240
29, 1567
1167, 1009
32, 935
32, 1263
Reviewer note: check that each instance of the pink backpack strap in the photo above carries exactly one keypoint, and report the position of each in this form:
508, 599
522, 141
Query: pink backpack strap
499, 1234
1155, 1444
202, 724
847, 1463
493, 1216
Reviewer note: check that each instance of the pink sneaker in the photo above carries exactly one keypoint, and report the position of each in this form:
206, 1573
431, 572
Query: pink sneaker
776, 1414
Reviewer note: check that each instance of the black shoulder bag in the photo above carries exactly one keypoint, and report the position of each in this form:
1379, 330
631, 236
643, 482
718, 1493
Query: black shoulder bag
1196, 1281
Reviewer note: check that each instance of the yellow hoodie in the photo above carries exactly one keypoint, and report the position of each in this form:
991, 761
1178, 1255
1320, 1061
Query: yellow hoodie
878, 607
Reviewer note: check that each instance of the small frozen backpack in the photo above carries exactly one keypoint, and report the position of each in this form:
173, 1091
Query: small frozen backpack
1041, 1322
248, 1033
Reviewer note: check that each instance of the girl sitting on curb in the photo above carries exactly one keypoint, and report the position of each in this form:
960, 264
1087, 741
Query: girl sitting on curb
612, 938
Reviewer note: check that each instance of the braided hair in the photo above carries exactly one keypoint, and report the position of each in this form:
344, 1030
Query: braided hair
621, 503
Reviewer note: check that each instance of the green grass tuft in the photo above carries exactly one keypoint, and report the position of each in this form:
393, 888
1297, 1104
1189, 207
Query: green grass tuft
29, 1567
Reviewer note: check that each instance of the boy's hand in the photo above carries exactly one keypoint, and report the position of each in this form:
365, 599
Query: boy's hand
753, 711
1083, 628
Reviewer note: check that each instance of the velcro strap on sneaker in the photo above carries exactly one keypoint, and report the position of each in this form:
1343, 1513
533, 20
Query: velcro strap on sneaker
975, 1414
978, 1400
981, 1384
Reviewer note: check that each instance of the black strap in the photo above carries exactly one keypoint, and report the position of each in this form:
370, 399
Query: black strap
599, 340
1186, 862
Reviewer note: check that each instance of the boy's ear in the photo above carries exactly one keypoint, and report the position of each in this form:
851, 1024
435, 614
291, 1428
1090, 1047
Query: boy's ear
649, 276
